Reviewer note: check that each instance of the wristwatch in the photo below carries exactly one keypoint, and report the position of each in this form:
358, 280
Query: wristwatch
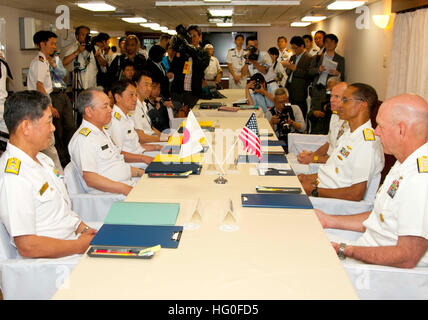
341, 253
84, 230
315, 192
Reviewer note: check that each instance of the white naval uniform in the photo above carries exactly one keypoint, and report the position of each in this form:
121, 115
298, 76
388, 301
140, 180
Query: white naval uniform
141, 118
336, 125
39, 72
356, 158
122, 132
401, 205
237, 61
210, 73
284, 55
33, 197
312, 52
92, 150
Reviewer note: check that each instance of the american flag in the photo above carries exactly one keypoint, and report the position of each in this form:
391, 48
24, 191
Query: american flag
250, 137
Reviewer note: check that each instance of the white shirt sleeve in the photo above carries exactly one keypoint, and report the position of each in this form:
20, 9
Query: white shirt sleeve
117, 133
415, 200
22, 221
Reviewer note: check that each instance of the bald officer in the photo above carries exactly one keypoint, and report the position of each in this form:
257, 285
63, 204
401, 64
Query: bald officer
34, 204
358, 157
91, 149
396, 231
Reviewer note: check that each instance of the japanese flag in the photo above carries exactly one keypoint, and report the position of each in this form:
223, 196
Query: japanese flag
192, 135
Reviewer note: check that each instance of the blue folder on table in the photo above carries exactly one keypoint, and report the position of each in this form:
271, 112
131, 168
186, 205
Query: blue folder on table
128, 236
267, 158
142, 213
160, 167
272, 143
268, 200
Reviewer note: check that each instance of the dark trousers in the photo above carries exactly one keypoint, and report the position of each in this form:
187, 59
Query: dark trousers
64, 125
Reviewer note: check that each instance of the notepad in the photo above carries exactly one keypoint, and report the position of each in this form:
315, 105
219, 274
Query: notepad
207, 123
178, 140
168, 158
142, 213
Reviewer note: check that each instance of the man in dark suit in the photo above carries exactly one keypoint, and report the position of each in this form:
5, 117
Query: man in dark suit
155, 67
188, 69
321, 75
298, 74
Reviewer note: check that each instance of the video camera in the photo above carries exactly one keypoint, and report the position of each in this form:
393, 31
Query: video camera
182, 40
283, 127
89, 46
252, 53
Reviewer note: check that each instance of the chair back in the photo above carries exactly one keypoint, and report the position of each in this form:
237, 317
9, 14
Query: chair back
73, 180
7, 250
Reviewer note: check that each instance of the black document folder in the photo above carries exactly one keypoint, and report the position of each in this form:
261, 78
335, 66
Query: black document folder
160, 167
276, 200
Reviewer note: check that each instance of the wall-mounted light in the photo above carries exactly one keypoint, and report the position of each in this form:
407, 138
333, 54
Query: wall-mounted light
382, 20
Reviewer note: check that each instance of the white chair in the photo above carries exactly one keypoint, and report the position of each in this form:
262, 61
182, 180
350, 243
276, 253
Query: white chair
338, 206
90, 207
32, 279
374, 282
298, 142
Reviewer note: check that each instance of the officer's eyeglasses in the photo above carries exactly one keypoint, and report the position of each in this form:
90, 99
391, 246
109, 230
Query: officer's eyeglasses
345, 100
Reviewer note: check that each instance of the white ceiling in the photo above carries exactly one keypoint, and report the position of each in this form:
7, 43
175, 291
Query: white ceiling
170, 16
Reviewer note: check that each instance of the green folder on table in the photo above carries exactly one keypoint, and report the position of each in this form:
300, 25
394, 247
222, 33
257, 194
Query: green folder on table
143, 213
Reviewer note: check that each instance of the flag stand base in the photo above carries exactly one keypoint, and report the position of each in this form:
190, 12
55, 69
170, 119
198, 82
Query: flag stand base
220, 180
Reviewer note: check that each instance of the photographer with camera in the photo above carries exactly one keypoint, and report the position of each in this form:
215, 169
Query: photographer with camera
188, 65
257, 61
81, 57
132, 43
260, 96
285, 118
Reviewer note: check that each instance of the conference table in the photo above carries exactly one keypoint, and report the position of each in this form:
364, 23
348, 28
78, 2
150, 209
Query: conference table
226, 251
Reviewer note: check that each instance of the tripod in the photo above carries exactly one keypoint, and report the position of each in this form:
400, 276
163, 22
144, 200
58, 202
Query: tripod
77, 88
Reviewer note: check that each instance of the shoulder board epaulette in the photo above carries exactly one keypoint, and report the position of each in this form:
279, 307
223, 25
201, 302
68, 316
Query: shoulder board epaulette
423, 164
85, 131
13, 165
368, 134
41, 59
232, 49
117, 115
